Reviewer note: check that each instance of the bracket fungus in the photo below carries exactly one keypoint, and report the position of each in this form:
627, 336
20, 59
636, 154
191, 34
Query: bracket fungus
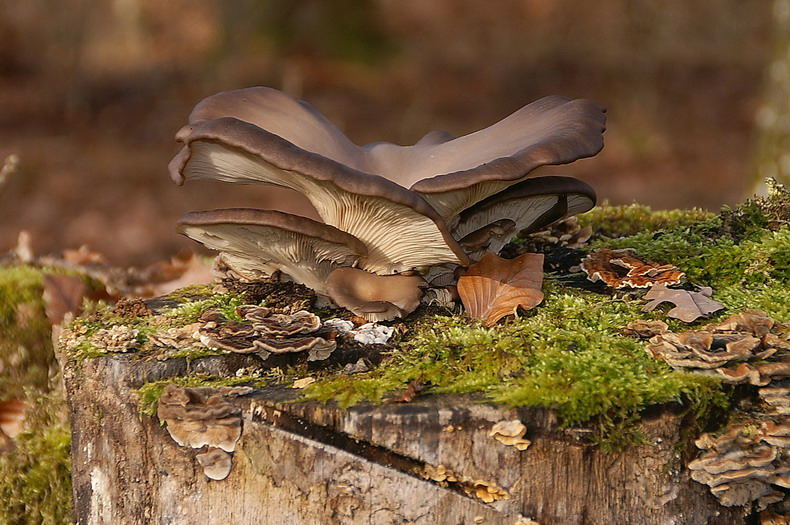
265, 332
441, 203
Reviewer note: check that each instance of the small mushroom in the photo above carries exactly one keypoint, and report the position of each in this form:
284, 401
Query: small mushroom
375, 297
301, 322
511, 433
196, 417
216, 463
257, 243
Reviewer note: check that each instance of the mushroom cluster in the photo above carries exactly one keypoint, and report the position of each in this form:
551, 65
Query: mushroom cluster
748, 347
746, 464
395, 218
204, 418
264, 332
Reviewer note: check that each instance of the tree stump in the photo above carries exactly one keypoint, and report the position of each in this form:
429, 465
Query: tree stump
303, 462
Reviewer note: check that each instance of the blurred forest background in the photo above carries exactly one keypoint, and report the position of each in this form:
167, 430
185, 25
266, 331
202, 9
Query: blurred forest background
92, 91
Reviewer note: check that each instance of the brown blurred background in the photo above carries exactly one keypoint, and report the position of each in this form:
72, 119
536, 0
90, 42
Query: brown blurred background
92, 91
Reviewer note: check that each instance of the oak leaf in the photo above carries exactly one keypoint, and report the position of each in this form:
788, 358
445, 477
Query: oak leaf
689, 306
495, 287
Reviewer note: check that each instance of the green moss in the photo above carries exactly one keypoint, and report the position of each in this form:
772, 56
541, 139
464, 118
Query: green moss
190, 311
619, 221
35, 478
567, 355
26, 356
149, 394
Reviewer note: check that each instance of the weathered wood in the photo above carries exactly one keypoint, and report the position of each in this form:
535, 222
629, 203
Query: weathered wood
310, 463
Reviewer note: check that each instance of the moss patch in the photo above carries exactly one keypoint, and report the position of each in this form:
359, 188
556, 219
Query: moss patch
35, 477
568, 354
26, 356
620, 221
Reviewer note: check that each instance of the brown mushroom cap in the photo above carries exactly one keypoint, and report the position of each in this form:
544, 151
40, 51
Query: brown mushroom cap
216, 463
375, 297
258, 242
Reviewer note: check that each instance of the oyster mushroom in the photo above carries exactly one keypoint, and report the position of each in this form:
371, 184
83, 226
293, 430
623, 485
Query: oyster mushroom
393, 201
257, 242
375, 297
528, 206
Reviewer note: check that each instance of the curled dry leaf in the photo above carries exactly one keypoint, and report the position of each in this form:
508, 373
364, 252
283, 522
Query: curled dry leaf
12, 417
495, 287
624, 269
414, 389
511, 433
689, 306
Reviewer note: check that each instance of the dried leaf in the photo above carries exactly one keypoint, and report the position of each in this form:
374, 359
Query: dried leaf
63, 294
623, 269
12, 416
689, 306
413, 389
495, 287
301, 383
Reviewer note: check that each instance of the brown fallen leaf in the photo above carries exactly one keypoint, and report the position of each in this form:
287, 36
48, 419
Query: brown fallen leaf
413, 389
689, 306
12, 418
495, 287
624, 269
63, 294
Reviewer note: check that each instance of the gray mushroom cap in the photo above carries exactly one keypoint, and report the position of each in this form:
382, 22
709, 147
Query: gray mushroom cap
528, 206
256, 243
260, 135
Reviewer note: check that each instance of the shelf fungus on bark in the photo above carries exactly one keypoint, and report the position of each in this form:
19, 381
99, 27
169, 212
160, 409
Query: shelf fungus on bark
738, 350
624, 269
511, 433
203, 418
747, 464
265, 332
386, 209
486, 491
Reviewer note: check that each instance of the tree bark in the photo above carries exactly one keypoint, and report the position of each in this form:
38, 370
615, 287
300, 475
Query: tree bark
302, 462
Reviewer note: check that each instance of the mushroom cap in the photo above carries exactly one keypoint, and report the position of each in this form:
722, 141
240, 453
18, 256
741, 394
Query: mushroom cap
375, 297
254, 242
391, 220
216, 463
531, 205
260, 135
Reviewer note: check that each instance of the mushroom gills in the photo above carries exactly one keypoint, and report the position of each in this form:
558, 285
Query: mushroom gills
256, 243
